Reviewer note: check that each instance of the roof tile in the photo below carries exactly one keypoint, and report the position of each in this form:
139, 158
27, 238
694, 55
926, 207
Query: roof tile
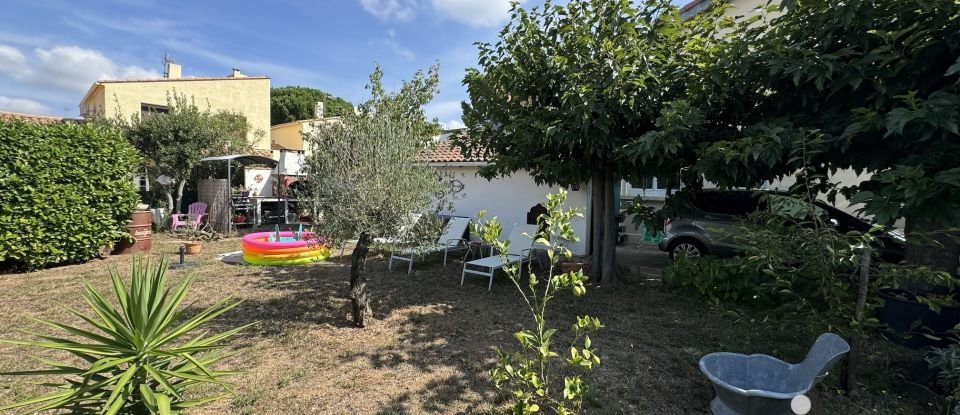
446, 152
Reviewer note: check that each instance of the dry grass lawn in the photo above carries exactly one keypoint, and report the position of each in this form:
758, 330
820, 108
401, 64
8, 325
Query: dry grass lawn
432, 341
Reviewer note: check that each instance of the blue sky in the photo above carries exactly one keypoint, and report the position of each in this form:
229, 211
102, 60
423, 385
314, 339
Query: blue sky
52, 50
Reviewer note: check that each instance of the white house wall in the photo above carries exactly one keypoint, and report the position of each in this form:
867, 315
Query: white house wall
510, 198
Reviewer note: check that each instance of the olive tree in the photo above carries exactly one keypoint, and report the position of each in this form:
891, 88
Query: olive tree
173, 144
365, 179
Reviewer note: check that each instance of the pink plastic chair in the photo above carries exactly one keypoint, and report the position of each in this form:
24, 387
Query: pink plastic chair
194, 217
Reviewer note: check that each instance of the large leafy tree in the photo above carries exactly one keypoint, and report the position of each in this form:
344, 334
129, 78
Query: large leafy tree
173, 144
565, 88
365, 180
292, 103
872, 86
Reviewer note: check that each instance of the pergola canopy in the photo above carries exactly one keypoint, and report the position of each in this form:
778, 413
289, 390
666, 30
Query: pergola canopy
244, 159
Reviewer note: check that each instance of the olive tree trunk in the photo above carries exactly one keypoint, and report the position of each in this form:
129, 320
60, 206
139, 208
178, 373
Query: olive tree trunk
180, 186
358, 281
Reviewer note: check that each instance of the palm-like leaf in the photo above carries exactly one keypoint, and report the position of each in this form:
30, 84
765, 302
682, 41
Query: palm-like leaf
138, 354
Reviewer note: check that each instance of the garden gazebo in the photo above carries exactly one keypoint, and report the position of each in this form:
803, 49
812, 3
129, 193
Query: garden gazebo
225, 203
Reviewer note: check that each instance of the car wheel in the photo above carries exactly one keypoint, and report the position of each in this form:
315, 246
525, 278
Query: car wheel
688, 248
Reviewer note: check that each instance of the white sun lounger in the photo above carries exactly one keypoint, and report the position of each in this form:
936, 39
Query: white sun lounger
521, 246
402, 232
451, 241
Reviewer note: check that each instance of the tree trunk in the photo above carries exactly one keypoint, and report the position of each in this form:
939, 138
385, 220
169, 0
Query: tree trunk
180, 186
932, 245
609, 246
849, 381
170, 201
596, 221
358, 282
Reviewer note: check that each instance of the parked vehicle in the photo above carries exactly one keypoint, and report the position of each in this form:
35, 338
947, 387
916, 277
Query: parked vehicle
708, 225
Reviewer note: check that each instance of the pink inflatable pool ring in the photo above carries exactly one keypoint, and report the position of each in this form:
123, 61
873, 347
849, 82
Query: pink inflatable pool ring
263, 248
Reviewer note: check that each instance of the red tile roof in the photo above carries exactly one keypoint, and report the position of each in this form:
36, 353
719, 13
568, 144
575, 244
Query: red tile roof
261, 152
5, 115
446, 152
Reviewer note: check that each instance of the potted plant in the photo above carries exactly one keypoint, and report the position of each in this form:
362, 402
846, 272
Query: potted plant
194, 238
920, 305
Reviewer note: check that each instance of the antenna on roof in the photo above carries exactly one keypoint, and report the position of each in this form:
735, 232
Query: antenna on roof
167, 60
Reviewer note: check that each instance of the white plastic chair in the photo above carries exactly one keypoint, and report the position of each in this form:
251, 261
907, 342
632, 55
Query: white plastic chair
519, 252
451, 241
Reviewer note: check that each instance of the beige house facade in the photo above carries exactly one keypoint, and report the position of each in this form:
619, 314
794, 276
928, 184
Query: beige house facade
248, 95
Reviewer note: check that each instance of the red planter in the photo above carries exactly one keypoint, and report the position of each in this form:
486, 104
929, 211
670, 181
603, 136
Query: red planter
140, 230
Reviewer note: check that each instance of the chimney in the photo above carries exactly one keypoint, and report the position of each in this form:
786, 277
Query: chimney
172, 70
235, 73
318, 110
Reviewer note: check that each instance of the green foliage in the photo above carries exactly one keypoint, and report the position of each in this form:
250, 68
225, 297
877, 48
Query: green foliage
871, 86
292, 103
173, 144
651, 218
793, 266
65, 191
927, 285
566, 87
533, 372
721, 281
946, 362
141, 355
363, 172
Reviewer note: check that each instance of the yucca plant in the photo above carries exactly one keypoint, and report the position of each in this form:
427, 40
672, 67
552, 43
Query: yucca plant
142, 355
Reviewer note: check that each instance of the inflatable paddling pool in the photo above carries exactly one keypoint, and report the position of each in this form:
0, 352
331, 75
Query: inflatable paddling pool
262, 248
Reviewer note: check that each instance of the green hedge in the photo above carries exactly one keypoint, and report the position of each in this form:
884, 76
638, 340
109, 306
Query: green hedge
65, 191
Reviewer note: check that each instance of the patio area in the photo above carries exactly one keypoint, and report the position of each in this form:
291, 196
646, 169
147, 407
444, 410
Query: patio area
432, 341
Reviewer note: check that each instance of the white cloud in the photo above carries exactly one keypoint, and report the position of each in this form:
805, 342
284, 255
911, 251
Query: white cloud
476, 13
402, 10
70, 68
12, 61
391, 43
453, 125
22, 105
443, 110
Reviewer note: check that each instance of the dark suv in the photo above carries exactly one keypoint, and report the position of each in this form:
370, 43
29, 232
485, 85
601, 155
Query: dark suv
709, 223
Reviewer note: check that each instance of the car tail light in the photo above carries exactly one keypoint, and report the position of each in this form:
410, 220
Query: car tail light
666, 224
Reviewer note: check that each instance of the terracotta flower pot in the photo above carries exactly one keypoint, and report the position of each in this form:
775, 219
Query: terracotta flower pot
192, 247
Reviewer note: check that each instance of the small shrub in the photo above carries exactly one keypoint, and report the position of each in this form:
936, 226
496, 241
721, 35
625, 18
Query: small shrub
65, 191
720, 280
946, 362
536, 372
142, 356
792, 266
